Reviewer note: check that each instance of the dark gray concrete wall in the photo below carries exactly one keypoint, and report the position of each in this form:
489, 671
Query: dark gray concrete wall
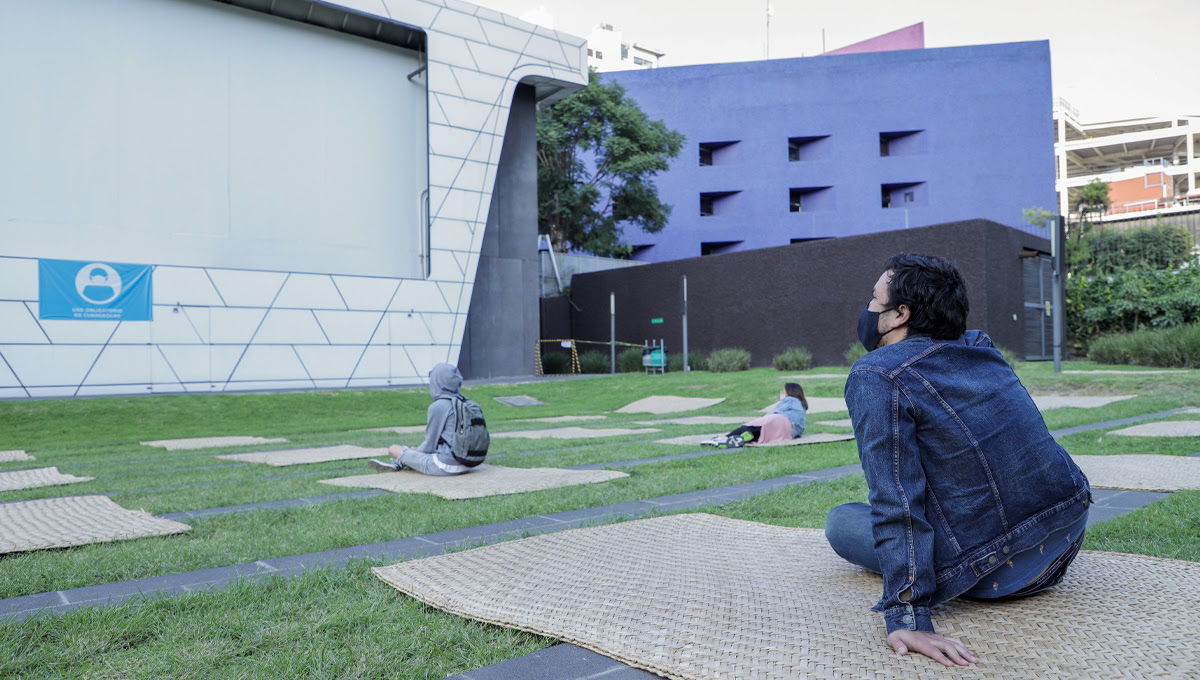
502, 325
807, 294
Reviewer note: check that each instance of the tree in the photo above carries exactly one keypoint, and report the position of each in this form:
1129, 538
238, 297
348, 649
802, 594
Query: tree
597, 157
1093, 197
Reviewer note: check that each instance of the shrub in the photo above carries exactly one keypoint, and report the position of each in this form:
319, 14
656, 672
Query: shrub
556, 363
793, 359
630, 360
728, 360
698, 361
1099, 303
1177, 347
854, 352
1009, 356
595, 361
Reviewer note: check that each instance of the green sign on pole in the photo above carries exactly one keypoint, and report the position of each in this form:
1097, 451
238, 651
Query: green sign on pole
658, 320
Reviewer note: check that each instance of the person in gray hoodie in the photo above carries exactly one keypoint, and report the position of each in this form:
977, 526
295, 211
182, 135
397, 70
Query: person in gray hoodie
432, 456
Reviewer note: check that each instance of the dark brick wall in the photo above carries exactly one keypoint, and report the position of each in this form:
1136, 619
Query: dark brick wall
807, 294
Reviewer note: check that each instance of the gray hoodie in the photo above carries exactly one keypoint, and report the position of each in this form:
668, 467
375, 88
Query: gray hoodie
444, 383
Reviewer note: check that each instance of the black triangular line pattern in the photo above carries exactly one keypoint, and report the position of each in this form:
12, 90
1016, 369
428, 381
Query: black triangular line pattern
411, 363
38, 322
382, 316
98, 355
193, 325
14, 373
246, 347
339, 292
216, 289
318, 320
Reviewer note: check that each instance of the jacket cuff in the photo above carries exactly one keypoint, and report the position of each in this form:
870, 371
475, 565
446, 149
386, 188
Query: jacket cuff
908, 617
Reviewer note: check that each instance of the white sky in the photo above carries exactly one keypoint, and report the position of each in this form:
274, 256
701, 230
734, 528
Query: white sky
1111, 59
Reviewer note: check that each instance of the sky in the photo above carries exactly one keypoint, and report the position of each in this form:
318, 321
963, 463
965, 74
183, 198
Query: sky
1111, 59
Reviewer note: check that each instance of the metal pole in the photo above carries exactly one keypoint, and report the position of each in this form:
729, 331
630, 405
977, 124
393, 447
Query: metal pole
612, 330
686, 368
1056, 253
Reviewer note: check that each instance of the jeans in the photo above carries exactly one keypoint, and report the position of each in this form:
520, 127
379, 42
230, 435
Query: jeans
848, 530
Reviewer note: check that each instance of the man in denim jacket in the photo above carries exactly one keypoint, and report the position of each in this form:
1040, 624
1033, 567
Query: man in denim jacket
969, 494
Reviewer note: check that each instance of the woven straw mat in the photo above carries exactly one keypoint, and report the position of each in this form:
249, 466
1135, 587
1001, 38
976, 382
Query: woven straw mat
209, 442
572, 433
1143, 472
697, 596
75, 520
322, 454
660, 404
14, 456
32, 479
400, 429
695, 420
697, 439
485, 480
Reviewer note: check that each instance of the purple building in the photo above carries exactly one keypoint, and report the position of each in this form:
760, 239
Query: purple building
790, 150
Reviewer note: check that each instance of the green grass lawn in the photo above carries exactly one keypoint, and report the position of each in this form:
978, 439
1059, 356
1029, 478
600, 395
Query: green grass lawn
346, 623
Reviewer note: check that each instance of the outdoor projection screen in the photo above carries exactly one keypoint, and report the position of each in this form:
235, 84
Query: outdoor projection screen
189, 132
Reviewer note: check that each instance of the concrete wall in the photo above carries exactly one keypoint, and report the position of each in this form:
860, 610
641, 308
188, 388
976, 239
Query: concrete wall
983, 146
502, 326
807, 294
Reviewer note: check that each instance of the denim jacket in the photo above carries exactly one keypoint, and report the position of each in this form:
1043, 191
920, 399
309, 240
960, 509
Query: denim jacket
792, 409
961, 468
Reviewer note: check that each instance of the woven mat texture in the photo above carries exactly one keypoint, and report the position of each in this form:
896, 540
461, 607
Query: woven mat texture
485, 480
697, 439
324, 454
1166, 428
817, 405
558, 419
14, 456
703, 597
400, 429
209, 442
32, 479
75, 520
1068, 401
1141, 472
695, 420
573, 433
660, 404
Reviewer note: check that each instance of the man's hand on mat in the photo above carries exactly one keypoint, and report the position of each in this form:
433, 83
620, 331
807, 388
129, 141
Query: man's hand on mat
945, 650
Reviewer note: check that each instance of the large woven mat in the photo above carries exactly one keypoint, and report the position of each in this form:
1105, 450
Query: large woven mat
1143, 472
697, 597
322, 454
32, 479
1165, 428
1045, 403
660, 404
14, 456
75, 520
817, 405
485, 480
695, 420
817, 438
559, 419
208, 442
572, 433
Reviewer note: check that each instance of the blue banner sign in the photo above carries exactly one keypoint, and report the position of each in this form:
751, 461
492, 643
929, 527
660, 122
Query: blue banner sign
94, 291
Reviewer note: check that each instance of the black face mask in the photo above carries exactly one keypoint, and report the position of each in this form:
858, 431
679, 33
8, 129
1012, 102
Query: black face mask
868, 327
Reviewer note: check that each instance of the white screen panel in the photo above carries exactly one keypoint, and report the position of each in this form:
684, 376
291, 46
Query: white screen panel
189, 132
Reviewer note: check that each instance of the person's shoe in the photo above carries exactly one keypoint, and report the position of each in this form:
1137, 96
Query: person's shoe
717, 441
385, 465
735, 442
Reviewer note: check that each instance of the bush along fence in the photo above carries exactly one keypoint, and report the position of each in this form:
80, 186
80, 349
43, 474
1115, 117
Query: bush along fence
1124, 281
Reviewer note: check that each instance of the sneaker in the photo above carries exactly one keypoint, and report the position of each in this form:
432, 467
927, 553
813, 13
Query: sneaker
717, 441
735, 442
386, 465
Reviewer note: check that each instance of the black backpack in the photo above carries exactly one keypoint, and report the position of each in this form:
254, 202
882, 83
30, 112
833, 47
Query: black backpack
471, 438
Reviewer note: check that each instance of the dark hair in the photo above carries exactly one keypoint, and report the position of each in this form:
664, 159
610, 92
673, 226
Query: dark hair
795, 390
933, 290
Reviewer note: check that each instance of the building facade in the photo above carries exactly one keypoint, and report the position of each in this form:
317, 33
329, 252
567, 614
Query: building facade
213, 195
607, 50
789, 150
